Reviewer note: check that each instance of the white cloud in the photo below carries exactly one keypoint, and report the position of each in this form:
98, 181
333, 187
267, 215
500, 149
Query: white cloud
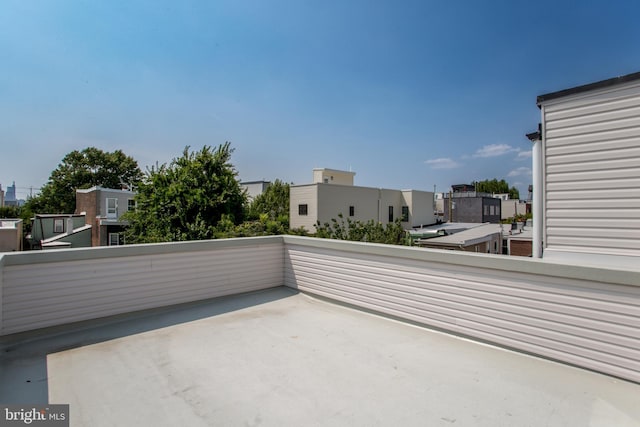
443, 163
523, 155
520, 171
494, 150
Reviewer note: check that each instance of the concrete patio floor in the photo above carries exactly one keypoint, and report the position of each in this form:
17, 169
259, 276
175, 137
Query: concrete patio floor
281, 358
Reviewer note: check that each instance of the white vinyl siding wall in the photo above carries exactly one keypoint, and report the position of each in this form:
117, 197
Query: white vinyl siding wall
586, 316
592, 172
41, 294
561, 312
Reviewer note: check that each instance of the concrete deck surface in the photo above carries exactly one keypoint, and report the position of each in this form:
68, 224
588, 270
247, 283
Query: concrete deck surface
279, 358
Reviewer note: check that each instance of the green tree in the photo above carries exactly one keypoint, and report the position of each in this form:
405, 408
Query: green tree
12, 212
495, 186
84, 169
274, 203
369, 231
187, 199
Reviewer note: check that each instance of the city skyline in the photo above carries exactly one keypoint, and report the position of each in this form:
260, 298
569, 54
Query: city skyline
411, 95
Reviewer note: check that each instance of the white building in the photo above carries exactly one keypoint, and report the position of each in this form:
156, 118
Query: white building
10, 235
512, 207
255, 188
586, 162
332, 193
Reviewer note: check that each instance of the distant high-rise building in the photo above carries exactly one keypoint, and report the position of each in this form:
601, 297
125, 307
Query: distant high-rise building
1, 196
10, 198
11, 193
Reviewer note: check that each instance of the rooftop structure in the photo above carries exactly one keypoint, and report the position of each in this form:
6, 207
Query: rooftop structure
484, 238
332, 332
585, 162
10, 235
59, 231
333, 176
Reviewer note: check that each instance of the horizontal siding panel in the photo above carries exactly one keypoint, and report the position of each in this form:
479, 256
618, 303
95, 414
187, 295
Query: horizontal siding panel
513, 309
618, 194
595, 232
69, 298
85, 312
43, 273
622, 173
528, 287
593, 156
596, 244
595, 222
606, 217
589, 128
595, 184
48, 294
594, 107
575, 321
628, 204
129, 273
575, 144
594, 98
596, 165
596, 115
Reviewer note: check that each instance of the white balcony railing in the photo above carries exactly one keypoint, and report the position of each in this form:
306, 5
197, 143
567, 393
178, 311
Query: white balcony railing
585, 316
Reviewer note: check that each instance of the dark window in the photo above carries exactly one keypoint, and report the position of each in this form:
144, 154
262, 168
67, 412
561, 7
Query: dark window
131, 205
302, 209
405, 214
390, 213
352, 210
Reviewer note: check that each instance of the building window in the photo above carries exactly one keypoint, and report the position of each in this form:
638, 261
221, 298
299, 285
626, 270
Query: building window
326, 180
352, 210
492, 209
302, 210
114, 239
58, 225
131, 205
112, 208
390, 213
405, 214
486, 210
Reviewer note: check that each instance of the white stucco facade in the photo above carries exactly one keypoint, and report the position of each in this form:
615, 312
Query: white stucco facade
322, 202
333, 176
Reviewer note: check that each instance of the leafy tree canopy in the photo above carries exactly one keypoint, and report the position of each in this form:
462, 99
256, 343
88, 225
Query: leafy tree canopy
369, 231
495, 186
84, 169
12, 212
186, 199
273, 202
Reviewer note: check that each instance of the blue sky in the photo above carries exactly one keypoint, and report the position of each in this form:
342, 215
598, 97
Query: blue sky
408, 94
